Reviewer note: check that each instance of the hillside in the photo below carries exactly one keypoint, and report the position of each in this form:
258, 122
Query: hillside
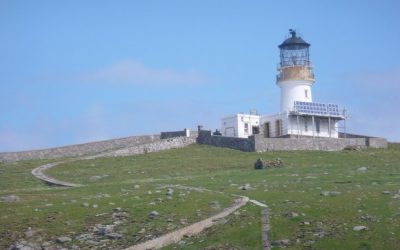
315, 200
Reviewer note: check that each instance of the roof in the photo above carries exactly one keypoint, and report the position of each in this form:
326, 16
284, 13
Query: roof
293, 42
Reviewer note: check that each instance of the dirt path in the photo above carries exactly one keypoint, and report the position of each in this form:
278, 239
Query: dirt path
39, 173
193, 229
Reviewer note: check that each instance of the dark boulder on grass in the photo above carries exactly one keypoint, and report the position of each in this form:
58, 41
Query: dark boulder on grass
274, 163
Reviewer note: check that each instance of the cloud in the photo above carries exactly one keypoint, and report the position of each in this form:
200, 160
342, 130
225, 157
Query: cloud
130, 72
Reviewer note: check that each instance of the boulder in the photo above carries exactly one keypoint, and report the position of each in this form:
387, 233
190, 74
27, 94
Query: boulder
10, 198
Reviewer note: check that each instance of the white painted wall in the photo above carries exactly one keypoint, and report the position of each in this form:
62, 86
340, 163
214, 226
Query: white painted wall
272, 120
304, 127
235, 126
294, 90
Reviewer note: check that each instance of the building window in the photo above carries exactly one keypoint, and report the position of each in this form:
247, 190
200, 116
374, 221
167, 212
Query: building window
306, 93
246, 128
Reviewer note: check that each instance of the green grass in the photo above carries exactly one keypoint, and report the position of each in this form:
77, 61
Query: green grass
296, 187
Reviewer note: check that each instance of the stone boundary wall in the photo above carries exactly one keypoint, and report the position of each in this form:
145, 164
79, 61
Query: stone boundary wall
303, 143
172, 134
375, 142
79, 149
243, 144
164, 144
257, 143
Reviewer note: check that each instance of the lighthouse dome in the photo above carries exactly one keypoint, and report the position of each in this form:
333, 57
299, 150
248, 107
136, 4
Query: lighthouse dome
293, 42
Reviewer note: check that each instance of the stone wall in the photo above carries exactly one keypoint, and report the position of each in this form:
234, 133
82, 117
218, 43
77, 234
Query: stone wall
79, 149
172, 134
164, 144
244, 144
260, 144
306, 143
375, 142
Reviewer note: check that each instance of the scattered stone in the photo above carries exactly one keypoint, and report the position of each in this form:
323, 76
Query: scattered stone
104, 230
85, 204
114, 236
262, 164
362, 169
245, 187
10, 198
92, 242
136, 186
305, 223
63, 239
153, 214
291, 214
396, 196
368, 217
95, 206
330, 193
215, 204
360, 228
281, 243
170, 192
183, 221
85, 237
386, 192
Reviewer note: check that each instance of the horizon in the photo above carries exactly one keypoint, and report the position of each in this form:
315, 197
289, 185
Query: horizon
75, 72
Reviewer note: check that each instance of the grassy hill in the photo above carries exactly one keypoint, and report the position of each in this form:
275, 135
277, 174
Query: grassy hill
327, 191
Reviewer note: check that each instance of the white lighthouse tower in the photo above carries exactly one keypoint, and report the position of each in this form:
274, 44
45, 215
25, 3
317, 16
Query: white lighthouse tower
299, 115
295, 76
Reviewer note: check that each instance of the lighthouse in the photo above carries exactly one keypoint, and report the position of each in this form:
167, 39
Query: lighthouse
295, 75
299, 115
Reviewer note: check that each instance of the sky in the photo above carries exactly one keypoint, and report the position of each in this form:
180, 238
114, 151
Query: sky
79, 71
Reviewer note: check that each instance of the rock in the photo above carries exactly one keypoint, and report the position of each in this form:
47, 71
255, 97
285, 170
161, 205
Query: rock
245, 187
183, 221
120, 215
330, 193
10, 198
281, 243
386, 192
360, 228
215, 204
104, 229
92, 242
63, 239
396, 196
153, 214
170, 192
362, 169
114, 236
136, 186
85, 237
262, 164
85, 204
95, 206
291, 214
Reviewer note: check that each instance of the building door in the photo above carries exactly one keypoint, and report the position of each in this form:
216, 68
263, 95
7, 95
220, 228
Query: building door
267, 130
255, 129
278, 127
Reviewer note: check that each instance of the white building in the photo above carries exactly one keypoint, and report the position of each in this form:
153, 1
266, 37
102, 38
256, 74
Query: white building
240, 125
299, 115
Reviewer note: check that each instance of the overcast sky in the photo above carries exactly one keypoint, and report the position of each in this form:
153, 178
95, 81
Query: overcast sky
78, 71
